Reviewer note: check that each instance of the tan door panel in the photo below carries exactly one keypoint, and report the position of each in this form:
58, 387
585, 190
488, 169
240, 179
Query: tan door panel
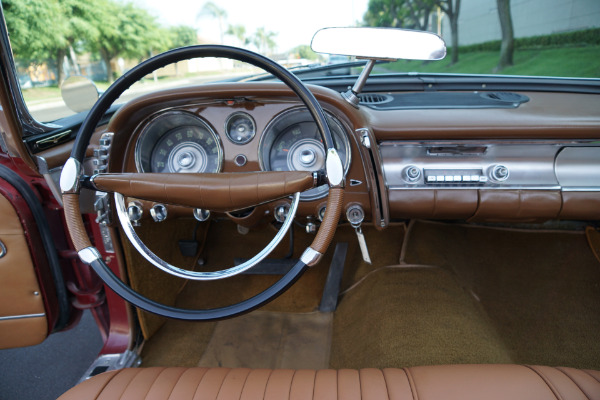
22, 314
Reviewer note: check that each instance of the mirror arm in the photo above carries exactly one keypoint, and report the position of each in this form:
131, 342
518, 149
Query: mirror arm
351, 96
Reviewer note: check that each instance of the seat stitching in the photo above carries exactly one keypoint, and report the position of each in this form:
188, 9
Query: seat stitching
590, 375
337, 380
176, 383
200, 382
267, 384
154, 383
573, 380
222, 382
244, 385
315, 383
129, 383
107, 383
411, 382
546, 381
291, 383
359, 384
387, 389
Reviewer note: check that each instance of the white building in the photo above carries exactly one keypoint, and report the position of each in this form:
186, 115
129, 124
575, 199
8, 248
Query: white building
478, 19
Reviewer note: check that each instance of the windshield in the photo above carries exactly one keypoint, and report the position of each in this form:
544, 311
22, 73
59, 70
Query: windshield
101, 40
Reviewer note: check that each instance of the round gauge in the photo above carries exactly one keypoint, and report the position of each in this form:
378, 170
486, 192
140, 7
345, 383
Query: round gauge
292, 142
240, 128
178, 142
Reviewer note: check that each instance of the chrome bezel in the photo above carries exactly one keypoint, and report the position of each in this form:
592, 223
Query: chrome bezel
70, 176
89, 255
249, 117
166, 114
346, 162
194, 275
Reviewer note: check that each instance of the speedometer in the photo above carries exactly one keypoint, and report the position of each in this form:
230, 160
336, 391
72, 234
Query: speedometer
292, 142
178, 142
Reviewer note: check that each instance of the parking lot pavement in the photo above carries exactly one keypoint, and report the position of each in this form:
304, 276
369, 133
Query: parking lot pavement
46, 371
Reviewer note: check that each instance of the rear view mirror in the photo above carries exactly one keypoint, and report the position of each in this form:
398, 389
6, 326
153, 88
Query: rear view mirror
379, 43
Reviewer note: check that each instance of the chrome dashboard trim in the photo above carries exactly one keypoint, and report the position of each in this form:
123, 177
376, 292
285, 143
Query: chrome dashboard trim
194, 275
376, 185
432, 187
563, 165
578, 167
24, 316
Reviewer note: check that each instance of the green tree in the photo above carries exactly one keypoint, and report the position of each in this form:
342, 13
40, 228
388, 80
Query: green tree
35, 27
182, 35
409, 14
37, 30
413, 14
452, 8
126, 30
508, 38
304, 51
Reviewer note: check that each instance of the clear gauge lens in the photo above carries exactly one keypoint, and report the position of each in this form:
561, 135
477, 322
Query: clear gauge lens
240, 128
293, 143
185, 149
178, 142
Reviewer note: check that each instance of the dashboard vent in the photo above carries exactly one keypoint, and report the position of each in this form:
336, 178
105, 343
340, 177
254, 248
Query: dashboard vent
374, 98
507, 97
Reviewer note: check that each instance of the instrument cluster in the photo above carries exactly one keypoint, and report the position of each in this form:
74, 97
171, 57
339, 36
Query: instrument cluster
177, 141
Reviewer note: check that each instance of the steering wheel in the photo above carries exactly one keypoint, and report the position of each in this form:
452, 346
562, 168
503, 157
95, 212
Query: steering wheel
206, 191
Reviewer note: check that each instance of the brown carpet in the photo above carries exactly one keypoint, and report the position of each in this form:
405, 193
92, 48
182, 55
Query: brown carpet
540, 289
402, 317
265, 339
147, 279
223, 244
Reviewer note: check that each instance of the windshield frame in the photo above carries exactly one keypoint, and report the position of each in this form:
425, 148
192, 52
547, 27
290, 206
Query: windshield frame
30, 125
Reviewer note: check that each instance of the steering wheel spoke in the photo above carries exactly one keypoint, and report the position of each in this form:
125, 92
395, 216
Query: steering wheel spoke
215, 192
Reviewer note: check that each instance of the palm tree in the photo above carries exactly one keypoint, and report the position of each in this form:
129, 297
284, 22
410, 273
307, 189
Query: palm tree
263, 40
213, 10
239, 32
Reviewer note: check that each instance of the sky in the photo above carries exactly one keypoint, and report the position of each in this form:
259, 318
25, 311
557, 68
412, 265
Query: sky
294, 22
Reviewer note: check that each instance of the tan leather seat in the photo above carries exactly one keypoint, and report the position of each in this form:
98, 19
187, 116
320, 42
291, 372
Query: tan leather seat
432, 382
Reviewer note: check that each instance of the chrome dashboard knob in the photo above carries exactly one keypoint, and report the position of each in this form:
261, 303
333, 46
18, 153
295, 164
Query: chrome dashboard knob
500, 173
201, 215
135, 213
158, 212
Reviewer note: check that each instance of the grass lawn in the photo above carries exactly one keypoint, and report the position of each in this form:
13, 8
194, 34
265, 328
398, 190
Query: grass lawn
581, 62
50, 92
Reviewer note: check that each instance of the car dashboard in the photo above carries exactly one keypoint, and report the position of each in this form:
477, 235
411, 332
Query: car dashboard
530, 160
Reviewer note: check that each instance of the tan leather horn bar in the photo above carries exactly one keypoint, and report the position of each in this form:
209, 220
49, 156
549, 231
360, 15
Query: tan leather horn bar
216, 192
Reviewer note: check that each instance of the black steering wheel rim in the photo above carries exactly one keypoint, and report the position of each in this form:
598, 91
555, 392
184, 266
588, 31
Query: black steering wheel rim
108, 98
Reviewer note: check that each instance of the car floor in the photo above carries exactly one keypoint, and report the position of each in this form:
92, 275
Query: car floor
436, 293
